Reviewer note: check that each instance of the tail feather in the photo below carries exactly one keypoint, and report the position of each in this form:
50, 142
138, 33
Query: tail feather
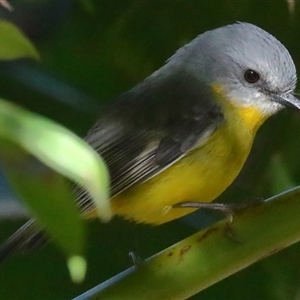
24, 239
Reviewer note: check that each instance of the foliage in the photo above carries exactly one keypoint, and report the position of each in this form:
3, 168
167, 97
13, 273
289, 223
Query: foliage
45, 193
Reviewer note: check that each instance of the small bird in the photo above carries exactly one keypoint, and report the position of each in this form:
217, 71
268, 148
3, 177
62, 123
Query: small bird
183, 134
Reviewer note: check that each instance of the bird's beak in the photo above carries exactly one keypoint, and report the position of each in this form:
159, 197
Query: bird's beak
287, 100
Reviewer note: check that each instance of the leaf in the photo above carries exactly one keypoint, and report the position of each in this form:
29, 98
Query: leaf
77, 267
6, 5
49, 198
59, 149
46, 193
14, 44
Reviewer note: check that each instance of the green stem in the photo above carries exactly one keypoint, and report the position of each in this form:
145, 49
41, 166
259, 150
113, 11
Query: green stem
209, 255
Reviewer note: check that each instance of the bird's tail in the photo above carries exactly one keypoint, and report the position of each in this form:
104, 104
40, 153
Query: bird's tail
24, 239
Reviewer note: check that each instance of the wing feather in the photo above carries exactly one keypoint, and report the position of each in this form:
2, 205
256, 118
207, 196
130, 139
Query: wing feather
150, 128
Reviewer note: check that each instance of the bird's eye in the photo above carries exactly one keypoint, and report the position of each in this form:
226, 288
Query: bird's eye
251, 76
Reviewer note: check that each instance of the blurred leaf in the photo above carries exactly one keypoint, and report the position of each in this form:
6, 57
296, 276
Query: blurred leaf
6, 5
14, 44
59, 149
291, 6
77, 267
50, 199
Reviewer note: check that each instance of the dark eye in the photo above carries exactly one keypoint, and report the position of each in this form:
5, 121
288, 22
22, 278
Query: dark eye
251, 76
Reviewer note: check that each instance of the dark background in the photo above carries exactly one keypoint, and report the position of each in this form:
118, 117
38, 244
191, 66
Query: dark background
91, 51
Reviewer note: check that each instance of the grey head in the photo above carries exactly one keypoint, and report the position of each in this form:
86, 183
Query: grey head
249, 64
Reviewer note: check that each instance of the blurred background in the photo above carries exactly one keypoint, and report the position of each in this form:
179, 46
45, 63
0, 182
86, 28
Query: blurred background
91, 51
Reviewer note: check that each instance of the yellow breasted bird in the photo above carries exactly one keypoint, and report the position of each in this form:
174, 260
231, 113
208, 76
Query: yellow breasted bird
184, 133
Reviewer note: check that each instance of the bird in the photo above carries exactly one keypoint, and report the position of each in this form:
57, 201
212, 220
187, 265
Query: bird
183, 134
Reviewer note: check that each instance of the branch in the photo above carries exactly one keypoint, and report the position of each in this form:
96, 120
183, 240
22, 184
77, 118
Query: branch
210, 255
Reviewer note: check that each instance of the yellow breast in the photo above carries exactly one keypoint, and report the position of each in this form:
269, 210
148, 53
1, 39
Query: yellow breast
201, 176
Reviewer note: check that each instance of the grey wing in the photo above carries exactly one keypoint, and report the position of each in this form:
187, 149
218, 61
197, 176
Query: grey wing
149, 130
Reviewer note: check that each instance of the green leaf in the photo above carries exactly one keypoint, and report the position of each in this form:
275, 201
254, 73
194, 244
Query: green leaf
50, 199
14, 44
59, 149
77, 268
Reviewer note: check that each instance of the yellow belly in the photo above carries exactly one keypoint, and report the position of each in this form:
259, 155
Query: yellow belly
201, 176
